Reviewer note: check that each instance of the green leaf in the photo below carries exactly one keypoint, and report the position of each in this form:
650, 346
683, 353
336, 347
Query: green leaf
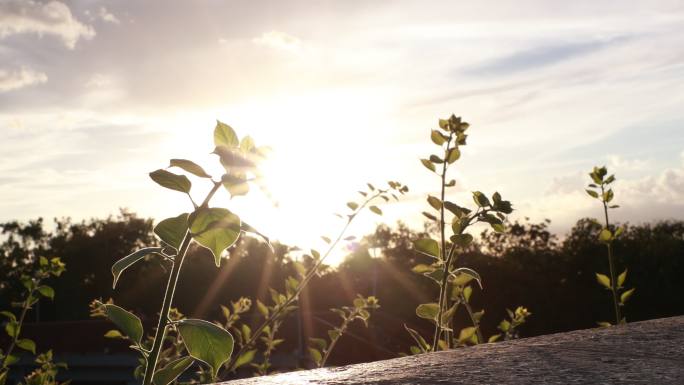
422, 268
353, 205
480, 199
214, 228
626, 296
436, 159
427, 246
172, 230
316, 356
604, 324
27, 344
13, 329
494, 338
224, 135
429, 165
434, 202
127, 261
47, 292
504, 326
437, 137
319, 343
247, 144
428, 311
113, 334
605, 235
171, 181
466, 333
206, 342
462, 240
9, 315
245, 358
236, 185
603, 280
592, 193
190, 167
262, 308
128, 322
171, 371
621, 278
375, 210
469, 272
422, 344
453, 155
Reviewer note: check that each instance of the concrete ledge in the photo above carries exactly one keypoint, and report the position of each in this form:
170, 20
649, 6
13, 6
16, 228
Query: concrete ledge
649, 352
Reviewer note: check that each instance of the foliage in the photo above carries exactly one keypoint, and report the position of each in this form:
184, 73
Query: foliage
35, 270
320, 348
600, 189
454, 282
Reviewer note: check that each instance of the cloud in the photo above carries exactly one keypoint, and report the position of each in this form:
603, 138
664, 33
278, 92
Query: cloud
279, 40
13, 80
107, 16
51, 18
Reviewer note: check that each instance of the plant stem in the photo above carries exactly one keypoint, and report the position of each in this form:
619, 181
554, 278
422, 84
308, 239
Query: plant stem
13, 344
476, 324
611, 262
163, 322
273, 316
342, 329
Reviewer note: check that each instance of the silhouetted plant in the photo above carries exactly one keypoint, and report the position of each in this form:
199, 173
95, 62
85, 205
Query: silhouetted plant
34, 290
600, 189
453, 282
320, 348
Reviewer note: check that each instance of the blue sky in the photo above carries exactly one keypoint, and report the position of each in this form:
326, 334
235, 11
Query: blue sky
95, 94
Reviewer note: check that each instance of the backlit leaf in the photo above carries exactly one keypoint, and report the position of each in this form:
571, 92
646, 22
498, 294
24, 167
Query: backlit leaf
190, 167
127, 261
215, 228
626, 296
603, 280
428, 311
621, 278
171, 181
224, 135
206, 342
127, 322
171, 371
172, 230
429, 165
427, 246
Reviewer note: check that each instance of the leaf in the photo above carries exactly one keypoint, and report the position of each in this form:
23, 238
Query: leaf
190, 167
469, 272
47, 292
172, 230
247, 144
27, 344
604, 324
422, 268
603, 280
334, 334
453, 155
206, 342
466, 333
626, 296
429, 165
224, 135
171, 181
171, 371
128, 322
375, 210
422, 344
437, 137
113, 334
428, 311
462, 240
480, 199
592, 193
319, 343
9, 315
605, 235
427, 246
215, 228
235, 185
621, 278
245, 358
12, 328
434, 202
504, 326
246, 227
493, 338
122, 264
262, 308
353, 205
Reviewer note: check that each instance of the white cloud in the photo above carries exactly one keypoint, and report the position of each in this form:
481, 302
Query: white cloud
107, 16
12, 80
51, 18
279, 40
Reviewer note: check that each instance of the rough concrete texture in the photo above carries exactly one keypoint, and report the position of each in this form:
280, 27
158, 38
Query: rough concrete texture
649, 352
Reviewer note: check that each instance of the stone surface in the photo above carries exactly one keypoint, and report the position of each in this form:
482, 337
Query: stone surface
649, 352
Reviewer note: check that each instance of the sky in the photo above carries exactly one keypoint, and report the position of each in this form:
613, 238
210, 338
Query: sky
96, 94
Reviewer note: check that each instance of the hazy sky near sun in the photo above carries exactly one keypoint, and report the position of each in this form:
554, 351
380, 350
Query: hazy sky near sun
95, 94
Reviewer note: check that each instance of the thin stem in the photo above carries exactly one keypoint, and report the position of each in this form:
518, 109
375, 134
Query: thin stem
476, 324
333, 342
277, 311
163, 322
611, 262
25, 307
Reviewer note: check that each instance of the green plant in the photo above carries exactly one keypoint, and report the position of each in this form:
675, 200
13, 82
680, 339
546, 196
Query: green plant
600, 189
509, 327
214, 228
453, 281
46, 373
320, 348
34, 290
